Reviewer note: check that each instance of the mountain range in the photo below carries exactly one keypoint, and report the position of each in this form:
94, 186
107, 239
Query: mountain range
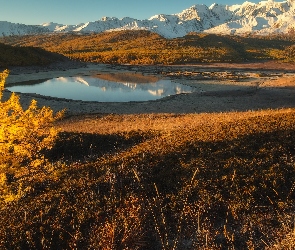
265, 17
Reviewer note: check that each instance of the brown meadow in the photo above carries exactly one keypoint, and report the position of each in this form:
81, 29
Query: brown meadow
161, 181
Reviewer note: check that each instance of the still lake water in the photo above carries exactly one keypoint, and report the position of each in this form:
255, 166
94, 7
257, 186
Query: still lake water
100, 88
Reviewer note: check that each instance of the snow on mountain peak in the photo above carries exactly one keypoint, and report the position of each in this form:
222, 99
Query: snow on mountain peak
265, 17
194, 12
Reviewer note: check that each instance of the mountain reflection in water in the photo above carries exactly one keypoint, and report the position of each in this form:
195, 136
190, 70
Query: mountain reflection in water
106, 87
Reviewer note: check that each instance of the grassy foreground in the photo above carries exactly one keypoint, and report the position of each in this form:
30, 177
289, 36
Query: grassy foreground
199, 181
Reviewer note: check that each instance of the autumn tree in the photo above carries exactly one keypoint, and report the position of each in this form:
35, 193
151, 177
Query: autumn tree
25, 135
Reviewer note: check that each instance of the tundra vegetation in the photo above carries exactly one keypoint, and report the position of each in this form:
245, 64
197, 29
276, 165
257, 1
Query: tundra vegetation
196, 181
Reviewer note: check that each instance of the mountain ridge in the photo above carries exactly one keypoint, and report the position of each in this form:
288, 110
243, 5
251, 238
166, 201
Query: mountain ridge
265, 17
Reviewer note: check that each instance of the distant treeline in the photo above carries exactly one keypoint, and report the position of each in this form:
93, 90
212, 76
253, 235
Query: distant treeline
144, 47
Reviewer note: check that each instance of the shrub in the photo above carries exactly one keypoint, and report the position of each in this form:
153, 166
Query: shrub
25, 135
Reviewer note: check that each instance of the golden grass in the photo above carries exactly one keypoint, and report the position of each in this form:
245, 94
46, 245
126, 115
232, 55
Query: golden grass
282, 82
161, 181
110, 124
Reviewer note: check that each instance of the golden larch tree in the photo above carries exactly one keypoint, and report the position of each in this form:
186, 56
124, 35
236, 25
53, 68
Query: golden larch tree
24, 134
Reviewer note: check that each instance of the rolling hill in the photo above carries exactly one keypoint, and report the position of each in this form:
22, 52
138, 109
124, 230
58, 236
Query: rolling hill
145, 47
27, 56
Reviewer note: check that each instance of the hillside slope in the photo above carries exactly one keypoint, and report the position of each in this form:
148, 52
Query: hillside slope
26, 56
144, 47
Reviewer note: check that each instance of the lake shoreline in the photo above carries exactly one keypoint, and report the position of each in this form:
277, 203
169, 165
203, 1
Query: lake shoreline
220, 95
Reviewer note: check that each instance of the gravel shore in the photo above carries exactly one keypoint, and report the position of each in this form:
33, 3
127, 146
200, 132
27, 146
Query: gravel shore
272, 91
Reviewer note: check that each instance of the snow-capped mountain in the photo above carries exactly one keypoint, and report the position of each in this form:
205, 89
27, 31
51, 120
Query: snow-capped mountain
264, 17
7, 28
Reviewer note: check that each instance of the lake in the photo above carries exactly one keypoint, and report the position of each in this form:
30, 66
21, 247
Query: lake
105, 87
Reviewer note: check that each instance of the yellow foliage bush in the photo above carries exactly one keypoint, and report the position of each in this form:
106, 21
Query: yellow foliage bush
24, 134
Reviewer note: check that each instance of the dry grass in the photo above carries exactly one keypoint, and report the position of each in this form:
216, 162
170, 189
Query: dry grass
110, 124
285, 82
198, 181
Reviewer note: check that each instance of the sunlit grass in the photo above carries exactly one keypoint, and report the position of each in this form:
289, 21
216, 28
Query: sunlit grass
161, 181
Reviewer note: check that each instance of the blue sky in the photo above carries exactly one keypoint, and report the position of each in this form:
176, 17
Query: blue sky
80, 11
